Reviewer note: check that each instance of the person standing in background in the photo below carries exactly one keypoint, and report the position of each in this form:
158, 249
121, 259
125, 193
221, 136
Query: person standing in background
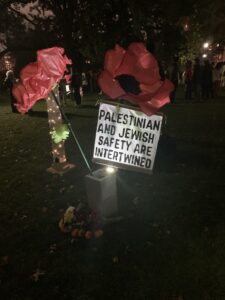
174, 77
188, 76
8, 83
197, 79
76, 83
216, 75
207, 83
62, 91
222, 79
84, 82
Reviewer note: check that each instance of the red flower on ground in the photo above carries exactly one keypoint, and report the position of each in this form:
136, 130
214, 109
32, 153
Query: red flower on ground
133, 74
39, 78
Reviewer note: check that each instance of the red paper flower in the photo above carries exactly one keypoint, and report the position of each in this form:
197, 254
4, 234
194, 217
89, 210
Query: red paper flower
20, 93
39, 78
53, 62
133, 74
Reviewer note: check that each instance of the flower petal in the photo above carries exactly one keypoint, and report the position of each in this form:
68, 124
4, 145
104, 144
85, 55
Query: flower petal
151, 103
166, 88
140, 63
160, 98
128, 65
113, 59
150, 88
138, 49
110, 86
53, 62
36, 82
37, 79
20, 93
151, 107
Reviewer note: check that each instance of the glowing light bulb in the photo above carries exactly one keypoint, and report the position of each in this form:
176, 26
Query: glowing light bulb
110, 170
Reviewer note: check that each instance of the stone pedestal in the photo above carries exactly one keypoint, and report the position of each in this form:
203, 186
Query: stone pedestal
102, 192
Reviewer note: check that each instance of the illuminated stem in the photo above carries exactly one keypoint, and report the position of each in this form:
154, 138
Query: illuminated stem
55, 120
72, 132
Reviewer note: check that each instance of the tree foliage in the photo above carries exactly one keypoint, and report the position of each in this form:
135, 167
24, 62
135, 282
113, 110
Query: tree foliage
91, 27
87, 28
23, 31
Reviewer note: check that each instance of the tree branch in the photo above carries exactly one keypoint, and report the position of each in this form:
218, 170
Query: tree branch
22, 15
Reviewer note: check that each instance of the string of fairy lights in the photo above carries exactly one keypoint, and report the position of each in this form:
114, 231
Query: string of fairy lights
59, 131
55, 120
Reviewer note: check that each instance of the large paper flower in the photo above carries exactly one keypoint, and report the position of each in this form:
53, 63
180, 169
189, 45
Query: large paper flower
53, 62
38, 79
20, 93
133, 74
37, 83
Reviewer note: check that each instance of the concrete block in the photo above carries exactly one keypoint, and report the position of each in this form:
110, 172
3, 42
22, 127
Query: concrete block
102, 192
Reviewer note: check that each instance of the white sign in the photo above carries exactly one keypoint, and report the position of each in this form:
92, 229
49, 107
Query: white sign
126, 137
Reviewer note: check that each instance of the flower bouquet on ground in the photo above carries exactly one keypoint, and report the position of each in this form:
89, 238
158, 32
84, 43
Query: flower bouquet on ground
81, 224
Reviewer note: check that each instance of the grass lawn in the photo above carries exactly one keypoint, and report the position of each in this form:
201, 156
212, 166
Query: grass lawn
171, 241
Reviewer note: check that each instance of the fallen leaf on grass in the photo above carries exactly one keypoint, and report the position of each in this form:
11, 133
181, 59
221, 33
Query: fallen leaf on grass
52, 248
115, 259
37, 274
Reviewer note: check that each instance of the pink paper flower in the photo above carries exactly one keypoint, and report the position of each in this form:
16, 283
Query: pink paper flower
39, 78
53, 62
20, 93
133, 74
